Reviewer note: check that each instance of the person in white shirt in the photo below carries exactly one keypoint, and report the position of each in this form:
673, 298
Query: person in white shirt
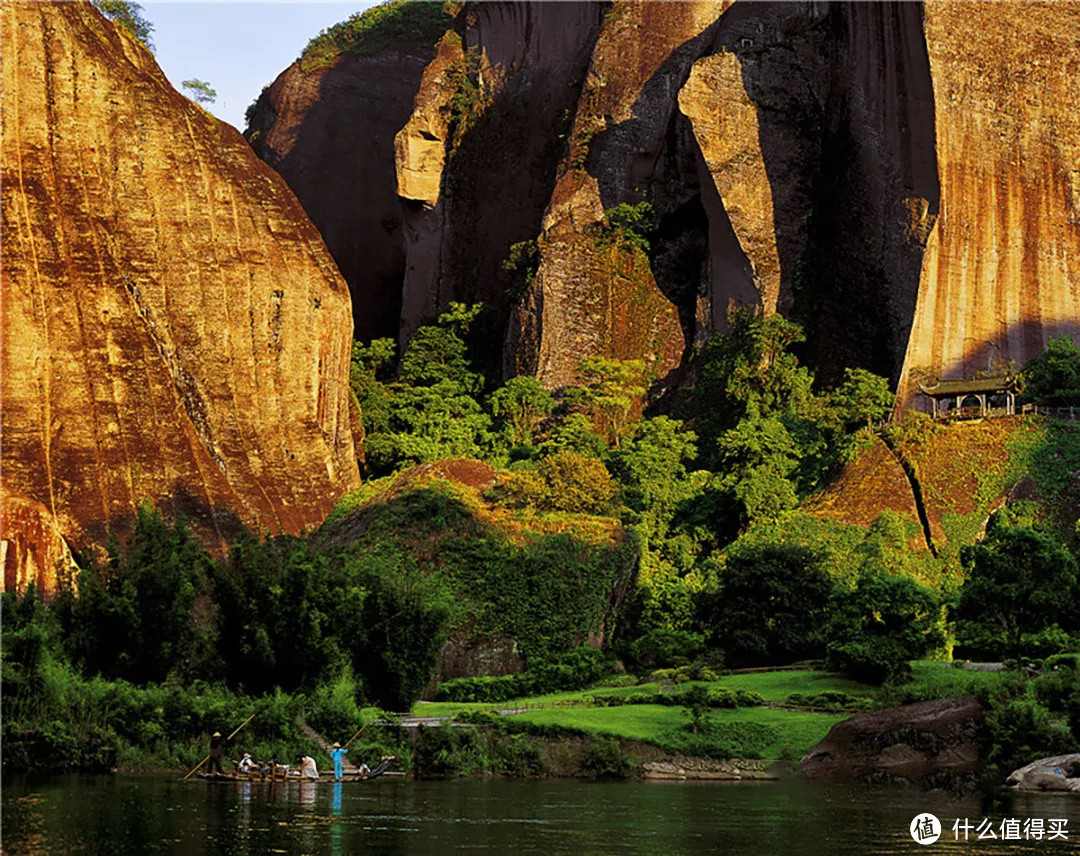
307, 768
247, 765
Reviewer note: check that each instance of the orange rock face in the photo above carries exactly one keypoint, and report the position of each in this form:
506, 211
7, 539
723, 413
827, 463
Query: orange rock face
173, 327
1001, 275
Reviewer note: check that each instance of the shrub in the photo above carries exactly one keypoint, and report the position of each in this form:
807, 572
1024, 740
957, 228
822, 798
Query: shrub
603, 758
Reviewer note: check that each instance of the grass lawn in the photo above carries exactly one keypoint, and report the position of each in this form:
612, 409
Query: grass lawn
798, 731
942, 680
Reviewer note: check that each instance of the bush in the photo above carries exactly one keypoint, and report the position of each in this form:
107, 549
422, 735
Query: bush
662, 647
570, 671
604, 759
881, 624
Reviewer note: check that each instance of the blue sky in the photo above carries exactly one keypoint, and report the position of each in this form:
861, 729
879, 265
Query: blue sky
238, 48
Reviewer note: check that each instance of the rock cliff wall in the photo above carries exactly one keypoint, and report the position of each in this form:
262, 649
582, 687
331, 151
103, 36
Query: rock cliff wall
898, 177
1001, 275
173, 327
328, 128
477, 162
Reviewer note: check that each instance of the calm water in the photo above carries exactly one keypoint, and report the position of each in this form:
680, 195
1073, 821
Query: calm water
158, 814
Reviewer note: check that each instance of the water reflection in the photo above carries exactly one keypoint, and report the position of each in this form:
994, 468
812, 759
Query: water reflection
143, 814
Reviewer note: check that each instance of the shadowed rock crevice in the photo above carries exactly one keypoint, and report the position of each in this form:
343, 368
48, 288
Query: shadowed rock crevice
329, 133
816, 124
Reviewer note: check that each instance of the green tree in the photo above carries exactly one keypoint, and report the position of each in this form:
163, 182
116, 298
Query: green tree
1054, 378
611, 390
879, 625
1019, 580
200, 90
521, 402
651, 464
770, 605
146, 615
862, 399
757, 458
128, 15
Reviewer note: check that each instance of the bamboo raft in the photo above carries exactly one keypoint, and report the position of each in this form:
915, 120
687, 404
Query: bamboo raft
261, 777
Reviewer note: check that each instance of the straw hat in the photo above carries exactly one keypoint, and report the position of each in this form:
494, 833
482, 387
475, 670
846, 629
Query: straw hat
336, 746
216, 734
247, 755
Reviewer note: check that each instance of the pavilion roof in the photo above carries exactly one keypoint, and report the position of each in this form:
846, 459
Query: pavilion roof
970, 385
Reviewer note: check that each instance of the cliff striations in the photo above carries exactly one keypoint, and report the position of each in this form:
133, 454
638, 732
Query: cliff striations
1001, 274
173, 328
897, 177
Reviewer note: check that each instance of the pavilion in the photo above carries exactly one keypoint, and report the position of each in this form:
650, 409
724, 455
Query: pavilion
973, 397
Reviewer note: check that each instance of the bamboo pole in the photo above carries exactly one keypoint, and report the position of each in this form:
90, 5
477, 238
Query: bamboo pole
358, 733
227, 739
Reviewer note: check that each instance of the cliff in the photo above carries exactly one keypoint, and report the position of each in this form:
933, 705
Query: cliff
173, 328
897, 177
1000, 274
327, 125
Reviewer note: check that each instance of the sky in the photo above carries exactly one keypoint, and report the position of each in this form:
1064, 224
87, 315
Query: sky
238, 48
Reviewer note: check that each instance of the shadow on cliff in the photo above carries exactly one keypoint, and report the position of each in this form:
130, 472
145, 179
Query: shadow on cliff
341, 166
215, 526
862, 141
845, 109
628, 166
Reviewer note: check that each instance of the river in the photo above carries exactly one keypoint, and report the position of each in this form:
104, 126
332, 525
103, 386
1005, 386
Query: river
147, 814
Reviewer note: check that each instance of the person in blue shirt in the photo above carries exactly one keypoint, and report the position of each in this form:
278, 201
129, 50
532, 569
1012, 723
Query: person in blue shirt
336, 755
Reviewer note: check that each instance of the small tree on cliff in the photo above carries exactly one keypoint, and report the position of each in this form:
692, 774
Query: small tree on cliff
200, 90
129, 16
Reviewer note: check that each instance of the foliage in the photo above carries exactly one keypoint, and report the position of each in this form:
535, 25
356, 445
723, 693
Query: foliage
128, 15
429, 410
769, 606
627, 225
1053, 379
665, 647
572, 670
563, 481
521, 402
879, 625
469, 97
408, 25
200, 90
1019, 580
522, 262
610, 390
144, 615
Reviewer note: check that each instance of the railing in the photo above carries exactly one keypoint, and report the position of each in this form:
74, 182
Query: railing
1069, 414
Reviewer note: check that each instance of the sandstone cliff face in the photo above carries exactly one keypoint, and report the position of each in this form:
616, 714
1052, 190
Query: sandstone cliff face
173, 328
477, 161
897, 177
1001, 275
329, 131
596, 296
815, 122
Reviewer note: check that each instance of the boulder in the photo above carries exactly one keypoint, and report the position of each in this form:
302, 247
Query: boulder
1056, 773
911, 741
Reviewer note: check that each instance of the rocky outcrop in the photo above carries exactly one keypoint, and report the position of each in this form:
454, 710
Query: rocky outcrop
913, 741
328, 128
33, 549
1058, 773
595, 293
477, 161
1000, 272
897, 177
173, 328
